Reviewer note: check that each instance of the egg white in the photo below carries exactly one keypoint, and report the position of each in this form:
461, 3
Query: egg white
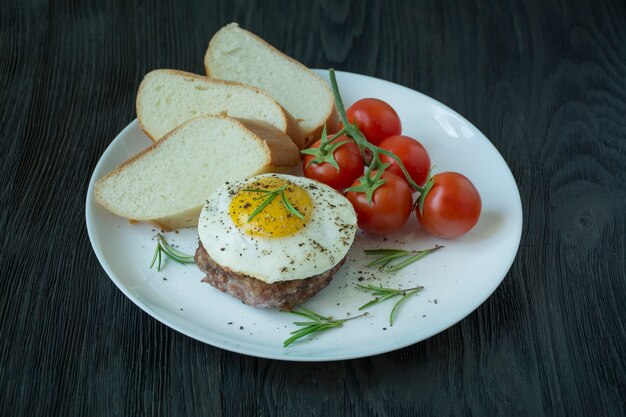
314, 249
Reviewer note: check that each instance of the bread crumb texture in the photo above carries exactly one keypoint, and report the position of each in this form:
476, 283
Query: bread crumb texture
169, 182
238, 55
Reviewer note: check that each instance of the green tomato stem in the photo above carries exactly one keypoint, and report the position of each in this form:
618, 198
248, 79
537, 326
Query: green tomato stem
352, 130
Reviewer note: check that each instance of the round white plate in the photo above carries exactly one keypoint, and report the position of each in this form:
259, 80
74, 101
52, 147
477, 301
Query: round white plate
456, 279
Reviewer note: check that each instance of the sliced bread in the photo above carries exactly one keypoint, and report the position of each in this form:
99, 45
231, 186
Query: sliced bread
167, 183
168, 98
238, 55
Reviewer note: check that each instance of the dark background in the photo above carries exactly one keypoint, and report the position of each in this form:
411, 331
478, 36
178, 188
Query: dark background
544, 80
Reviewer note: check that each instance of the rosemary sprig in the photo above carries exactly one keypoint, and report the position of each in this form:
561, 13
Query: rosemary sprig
317, 323
164, 247
269, 196
386, 256
381, 294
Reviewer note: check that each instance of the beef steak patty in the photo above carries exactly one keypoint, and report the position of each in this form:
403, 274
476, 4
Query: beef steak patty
284, 295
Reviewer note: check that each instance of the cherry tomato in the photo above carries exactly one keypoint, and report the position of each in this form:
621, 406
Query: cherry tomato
375, 118
412, 155
451, 207
348, 159
391, 205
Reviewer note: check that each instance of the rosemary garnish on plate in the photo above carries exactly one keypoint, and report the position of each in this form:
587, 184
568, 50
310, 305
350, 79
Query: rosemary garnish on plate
318, 323
269, 196
381, 294
174, 254
386, 256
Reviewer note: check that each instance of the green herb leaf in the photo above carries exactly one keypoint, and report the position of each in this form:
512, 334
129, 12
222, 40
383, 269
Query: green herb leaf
291, 208
163, 247
269, 196
406, 295
382, 294
317, 324
307, 313
304, 332
406, 257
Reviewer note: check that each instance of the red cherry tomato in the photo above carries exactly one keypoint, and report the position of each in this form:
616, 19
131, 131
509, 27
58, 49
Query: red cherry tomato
412, 155
451, 207
391, 205
375, 118
348, 159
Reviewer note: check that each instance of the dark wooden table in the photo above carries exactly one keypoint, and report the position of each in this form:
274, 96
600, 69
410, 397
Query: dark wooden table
544, 80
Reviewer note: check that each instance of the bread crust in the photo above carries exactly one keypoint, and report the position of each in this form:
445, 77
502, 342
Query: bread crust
280, 151
281, 155
310, 136
292, 128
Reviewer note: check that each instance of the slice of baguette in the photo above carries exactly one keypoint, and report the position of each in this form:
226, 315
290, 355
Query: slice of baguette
238, 55
168, 98
168, 183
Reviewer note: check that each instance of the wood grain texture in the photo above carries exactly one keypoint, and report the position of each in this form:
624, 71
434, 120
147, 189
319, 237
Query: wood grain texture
545, 81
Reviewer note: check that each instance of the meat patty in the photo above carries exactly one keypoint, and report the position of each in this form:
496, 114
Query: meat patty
284, 295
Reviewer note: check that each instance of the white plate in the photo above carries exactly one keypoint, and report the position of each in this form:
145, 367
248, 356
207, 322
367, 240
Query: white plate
456, 279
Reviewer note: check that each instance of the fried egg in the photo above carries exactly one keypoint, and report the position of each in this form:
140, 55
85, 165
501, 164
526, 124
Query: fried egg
277, 227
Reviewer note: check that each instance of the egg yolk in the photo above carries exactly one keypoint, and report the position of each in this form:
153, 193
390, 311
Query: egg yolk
275, 219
